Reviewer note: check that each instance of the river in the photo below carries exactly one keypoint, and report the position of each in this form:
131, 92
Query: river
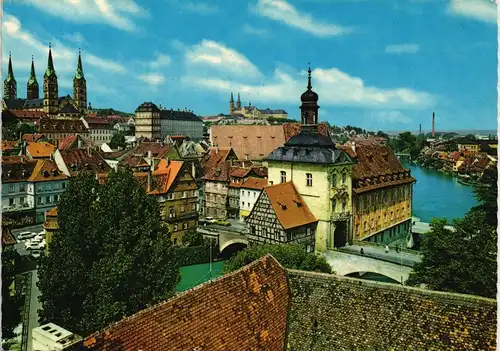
437, 194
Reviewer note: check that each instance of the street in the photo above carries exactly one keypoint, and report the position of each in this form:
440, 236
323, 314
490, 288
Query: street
405, 258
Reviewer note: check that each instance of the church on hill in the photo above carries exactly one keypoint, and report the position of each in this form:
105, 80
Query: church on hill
252, 111
51, 103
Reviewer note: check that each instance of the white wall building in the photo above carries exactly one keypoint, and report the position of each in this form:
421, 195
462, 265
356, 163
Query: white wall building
51, 337
250, 191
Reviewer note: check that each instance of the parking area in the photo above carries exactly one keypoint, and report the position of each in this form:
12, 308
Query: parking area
235, 225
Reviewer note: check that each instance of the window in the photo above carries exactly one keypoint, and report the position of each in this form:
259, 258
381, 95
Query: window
283, 176
334, 205
22, 200
343, 178
184, 226
254, 195
334, 180
47, 199
182, 208
64, 185
357, 229
175, 227
184, 194
309, 179
193, 207
39, 200
344, 205
12, 188
248, 193
270, 182
170, 196
171, 212
11, 202
248, 204
22, 187
308, 231
56, 198
242, 203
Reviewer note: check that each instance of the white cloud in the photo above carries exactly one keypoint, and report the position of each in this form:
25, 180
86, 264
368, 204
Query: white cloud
213, 55
249, 29
152, 79
282, 11
76, 38
160, 60
482, 10
285, 86
115, 13
390, 117
402, 49
24, 44
199, 7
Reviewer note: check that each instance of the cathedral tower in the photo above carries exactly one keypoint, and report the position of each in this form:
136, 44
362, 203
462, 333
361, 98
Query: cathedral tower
80, 86
33, 89
10, 84
231, 104
50, 88
309, 107
238, 102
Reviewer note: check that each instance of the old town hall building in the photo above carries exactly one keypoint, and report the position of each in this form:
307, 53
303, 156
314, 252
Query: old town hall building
51, 103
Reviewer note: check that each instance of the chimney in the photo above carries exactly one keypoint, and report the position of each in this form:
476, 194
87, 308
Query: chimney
88, 151
353, 146
216, 149
433, 124
150, 180
193, 170
80, 142
420, 129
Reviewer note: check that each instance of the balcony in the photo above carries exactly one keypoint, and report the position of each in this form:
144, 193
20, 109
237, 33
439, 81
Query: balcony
17, 208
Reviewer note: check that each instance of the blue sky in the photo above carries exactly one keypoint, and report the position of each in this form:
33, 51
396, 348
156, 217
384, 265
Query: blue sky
378, 64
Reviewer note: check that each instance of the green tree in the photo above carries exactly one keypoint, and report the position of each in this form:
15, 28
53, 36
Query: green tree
463, 261
290, 256
110, 258
382, 134
117, 140
192, 238
487, 196
11, 300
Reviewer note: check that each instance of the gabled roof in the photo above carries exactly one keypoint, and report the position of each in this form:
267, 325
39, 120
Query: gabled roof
81, 160
14, 103
214, 157
69, 108
9, 144
244, 310
254, 183
163, 179
288, 205
71, 142
158, 150
51, 125
238, 172
219, 173
253, 140
33, 137
33, 103
46, 170
40, 149
14, 170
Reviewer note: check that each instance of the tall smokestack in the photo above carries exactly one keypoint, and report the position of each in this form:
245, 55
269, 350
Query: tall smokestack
433, 124
420, 129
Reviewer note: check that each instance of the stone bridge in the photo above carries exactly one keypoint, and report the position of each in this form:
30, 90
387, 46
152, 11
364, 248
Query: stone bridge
345, 263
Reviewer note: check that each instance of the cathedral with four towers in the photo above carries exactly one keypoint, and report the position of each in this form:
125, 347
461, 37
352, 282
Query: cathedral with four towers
51, 103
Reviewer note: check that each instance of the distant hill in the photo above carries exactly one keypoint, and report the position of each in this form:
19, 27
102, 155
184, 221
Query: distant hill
111, 112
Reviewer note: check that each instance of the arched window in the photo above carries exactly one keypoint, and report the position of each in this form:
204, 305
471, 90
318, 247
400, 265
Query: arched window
309, 179
283, 176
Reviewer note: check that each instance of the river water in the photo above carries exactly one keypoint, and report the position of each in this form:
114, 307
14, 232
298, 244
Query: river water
436, 194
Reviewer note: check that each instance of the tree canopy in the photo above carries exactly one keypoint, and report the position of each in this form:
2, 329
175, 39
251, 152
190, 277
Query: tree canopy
117, 140
11, 301
291, 256
110, 258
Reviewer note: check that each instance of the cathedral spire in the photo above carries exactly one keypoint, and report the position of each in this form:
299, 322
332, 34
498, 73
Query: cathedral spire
10, 75
309, 85
50, 64
32, 78
309, 107
232, 99
79, 68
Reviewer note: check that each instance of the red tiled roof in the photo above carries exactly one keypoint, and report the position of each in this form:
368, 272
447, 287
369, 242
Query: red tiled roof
163, 179
46, 170
219, 173
254, 183
51, 125
69, 142
214, 157
13, 170
288, 205
260, 171
40, 149
52, 212
252, 142
376, 167
9, 145
32, 137
292, 129
7, 237
238, 172
78, 160
243, 310
26, 114
15, 159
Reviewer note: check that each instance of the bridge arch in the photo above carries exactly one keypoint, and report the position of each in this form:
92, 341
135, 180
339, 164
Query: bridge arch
235, 241
231, 247
373, 276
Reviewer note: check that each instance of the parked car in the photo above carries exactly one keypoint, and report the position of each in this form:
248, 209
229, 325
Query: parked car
222, 222
210, 220
35, 245
25, 235
36, 253
40, 236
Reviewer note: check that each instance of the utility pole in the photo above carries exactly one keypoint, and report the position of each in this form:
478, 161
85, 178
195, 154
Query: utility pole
401, 256
210, 271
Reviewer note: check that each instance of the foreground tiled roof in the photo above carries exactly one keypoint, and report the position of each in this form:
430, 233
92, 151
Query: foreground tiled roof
244, 310
13, 170
377, 167
289, 207
40, 149
253, 140
81, 160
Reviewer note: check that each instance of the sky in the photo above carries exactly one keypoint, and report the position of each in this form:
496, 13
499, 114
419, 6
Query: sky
376, 64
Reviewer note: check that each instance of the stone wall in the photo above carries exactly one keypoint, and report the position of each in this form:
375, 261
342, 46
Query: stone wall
337, 313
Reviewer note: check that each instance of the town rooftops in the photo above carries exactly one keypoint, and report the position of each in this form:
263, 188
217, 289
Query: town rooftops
9, 145
252, 142
46, 170
75, 141
292, 129
17, 170
51, 125
254, 183
26, 114
14, 104
163, 178
33, 137
40, 149
288, 205
377, 167
81, 160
